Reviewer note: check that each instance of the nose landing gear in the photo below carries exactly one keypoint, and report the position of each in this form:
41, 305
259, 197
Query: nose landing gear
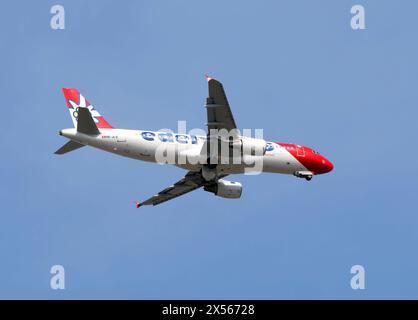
304, 174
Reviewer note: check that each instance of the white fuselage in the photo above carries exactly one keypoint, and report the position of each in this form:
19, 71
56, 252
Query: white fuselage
145, 145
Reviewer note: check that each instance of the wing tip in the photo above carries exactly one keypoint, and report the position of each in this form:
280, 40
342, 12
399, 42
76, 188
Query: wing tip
208, 77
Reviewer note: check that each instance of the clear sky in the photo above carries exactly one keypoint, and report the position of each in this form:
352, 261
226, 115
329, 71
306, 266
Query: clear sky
294, 68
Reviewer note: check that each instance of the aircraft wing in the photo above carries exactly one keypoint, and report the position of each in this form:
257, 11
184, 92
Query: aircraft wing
219, 117
219, 113
192, 181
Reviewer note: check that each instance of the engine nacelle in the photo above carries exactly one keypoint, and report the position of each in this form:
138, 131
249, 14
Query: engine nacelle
226, 189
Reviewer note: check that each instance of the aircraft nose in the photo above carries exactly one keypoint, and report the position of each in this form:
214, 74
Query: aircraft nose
327, 165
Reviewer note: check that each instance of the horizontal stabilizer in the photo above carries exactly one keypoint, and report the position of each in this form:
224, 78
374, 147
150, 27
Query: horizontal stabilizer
69, 146
86, 123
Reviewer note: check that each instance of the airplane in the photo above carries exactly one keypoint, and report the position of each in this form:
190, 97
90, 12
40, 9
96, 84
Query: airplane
200, 155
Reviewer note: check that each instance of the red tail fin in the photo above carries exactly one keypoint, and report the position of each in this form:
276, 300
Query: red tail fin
76, 100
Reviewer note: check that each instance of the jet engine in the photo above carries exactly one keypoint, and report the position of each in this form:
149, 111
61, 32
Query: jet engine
225, 189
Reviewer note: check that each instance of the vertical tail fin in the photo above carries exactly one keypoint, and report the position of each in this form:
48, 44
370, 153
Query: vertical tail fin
76, 100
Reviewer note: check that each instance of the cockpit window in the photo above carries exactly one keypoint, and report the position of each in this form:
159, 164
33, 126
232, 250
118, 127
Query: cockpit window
316, 152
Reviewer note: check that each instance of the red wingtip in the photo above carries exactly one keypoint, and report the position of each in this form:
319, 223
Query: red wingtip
208, 77
137, 204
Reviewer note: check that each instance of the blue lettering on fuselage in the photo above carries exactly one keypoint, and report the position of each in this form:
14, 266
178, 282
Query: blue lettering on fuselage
165, 137
269, 146
182, 138
169, 137
149, 136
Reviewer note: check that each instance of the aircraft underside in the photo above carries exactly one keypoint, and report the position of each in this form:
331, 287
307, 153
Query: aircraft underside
208, 159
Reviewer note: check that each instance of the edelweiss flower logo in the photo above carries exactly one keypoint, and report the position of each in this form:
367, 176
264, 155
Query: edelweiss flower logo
83, 104
269, 146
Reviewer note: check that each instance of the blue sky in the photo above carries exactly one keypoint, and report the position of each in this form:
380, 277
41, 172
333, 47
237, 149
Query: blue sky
294, 68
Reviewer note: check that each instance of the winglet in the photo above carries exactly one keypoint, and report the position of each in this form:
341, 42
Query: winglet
137, 204
208, 77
